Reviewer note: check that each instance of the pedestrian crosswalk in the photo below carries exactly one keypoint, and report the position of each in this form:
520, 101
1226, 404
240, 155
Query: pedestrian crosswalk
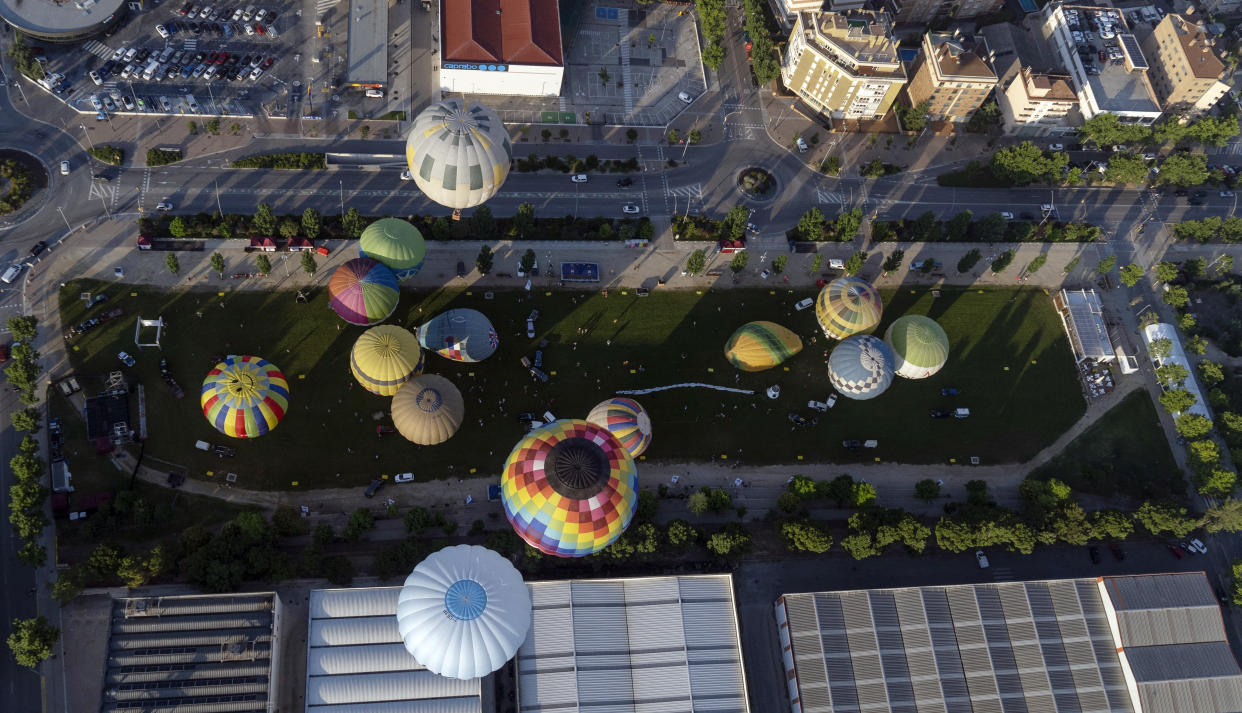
691, 191
322, 6
830, 197
98, 49
191, 44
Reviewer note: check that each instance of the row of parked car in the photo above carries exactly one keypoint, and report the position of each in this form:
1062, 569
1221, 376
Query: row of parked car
197, 19
171, 63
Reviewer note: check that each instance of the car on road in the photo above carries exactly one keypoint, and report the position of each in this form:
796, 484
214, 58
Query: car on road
1198, 546
164, 205
1176, 551
625, 182
940, 413
373, 488
1226, 194
125, 358
1196, 200
12, 272
405, 175
403, 478
982, 559
1094, 552
38, 248
803, 304
630, 208
461, 268
1006, 215
802, 147
820, 406
578, 178
267, 63
1056, 147
1118, 553
684, 96
530, 328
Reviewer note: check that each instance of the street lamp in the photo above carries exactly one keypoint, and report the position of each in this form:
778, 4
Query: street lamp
62, 215
341, 184
87, 134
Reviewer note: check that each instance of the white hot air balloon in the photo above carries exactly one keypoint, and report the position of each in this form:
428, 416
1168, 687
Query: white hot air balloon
463, 612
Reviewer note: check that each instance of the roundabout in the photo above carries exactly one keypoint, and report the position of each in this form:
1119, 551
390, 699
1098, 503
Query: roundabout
756, 183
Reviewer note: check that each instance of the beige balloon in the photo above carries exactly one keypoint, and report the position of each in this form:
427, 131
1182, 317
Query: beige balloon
428, 409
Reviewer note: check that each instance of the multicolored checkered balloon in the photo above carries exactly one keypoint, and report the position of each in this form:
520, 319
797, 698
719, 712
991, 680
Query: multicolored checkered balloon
627, 420
570, 488
245, 396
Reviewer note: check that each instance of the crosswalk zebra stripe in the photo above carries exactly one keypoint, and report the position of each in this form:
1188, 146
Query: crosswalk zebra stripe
98, 49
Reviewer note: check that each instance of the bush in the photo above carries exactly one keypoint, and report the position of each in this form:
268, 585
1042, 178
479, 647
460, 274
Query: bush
291, 161
161, 157
1002, 261
108, 154
805, 536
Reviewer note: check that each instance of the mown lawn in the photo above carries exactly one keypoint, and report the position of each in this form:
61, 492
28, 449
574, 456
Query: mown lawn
1123, 453
1010, 361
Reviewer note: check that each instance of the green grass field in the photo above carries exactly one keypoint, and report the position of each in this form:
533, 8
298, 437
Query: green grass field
1123, 453
1010, 359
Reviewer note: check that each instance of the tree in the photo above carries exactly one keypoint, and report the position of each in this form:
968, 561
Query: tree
1131, 274
264, 221
1225, 516
778, 263
483, 263
360, 520
1209, 371
482, 224
32, 554
1171, 375
1213, 130
1107, 129
178, 228
1106, 265
695, 136
528, 261
1126, 168
23, 328
311, 223
288, 228
846, 226
854, 264
955, 228
696, 262
927, 490
914, 118
1177, 400
417, 520
32, 640
1183, 170
732, 539
524, 220
805, 536
353, 223
1159, 518
308, 262
673, 136
1002, 261
680, 533
1175, 296
892, 263
739, 261
697, 503
1166, 271
172, 263
339, 570
811, 225
991, 228
1026, 163
1111, 525
26, 420
263, 265
925, 228
1161, 348
1168, 132
631, 135
1217, 482
217, 263
1196, 345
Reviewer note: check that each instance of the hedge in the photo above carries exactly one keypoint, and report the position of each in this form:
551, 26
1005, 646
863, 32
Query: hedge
21, 187
162, 157
573, 164
1016, 231
290, 161
108, 154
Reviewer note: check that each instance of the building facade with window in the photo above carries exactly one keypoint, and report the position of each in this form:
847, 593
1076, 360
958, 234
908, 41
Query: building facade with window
953, 74
1186, 71
1038, 103
844, 65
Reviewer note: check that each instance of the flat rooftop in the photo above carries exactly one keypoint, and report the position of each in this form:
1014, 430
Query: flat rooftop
66, 17
1118, 89
368, 42
863, 37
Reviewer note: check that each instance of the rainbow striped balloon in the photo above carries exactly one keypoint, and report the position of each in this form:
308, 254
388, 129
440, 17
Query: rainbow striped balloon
627, 420
245, 396
363, 291
569, 488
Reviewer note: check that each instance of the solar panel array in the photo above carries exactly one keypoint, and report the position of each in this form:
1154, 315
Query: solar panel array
1014, 647
1130, 45
206, 654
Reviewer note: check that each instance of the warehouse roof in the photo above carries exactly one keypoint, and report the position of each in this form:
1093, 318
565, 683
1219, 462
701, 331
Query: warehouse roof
509, 31
368, 48
208, 654
1163, 330
653, 644
357, 663
1083, 317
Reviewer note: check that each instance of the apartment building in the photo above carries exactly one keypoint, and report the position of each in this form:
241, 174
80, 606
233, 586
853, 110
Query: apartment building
953, 73
1038, 103
1185, 70
844, 65
924, 12
1103, 60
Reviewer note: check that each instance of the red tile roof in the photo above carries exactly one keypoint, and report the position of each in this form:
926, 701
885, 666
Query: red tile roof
509, 31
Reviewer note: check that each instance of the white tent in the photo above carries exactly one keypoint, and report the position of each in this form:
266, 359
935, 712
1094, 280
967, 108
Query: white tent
464, 611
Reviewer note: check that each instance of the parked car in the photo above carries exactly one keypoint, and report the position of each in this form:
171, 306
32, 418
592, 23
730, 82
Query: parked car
851, 445
982, 559
685, 96
64, 168
38, 248
98, 80
1118, 553
578, 178
164, 206
125, 358
1056, 147
803, 304
530, 328
1176, 551
820, 406
1198, 546
625, 182
940, 413
403, 478
1094, 553
373, 488
1006, 215
948, 391
630, 208
461, 268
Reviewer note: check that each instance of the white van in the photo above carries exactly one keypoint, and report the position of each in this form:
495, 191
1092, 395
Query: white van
151, 71
375, 93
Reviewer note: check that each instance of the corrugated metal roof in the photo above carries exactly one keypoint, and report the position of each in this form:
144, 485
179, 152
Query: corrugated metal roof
354, 631
198, 654
651, 644
399, 686
442, 705
340, 603
372, 658
1183, 661
1156, 591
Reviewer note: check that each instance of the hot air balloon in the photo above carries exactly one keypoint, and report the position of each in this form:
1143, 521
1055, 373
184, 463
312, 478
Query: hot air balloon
463, 612
627, 420
427, 409
920, 346
846, 306
384, 358
459, 334
756, 346
244, 396
861, 367
569, 488
362, 291
396, 244
458, 156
